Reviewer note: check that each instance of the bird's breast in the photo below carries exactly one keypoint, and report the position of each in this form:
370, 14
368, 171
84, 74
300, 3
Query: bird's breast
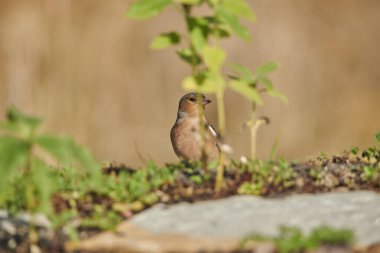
186, 140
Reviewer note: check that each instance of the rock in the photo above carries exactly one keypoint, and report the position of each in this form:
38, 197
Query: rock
38, 219
219, 225
334, 249
129, 238
374, 249
239, 216
3, 214
15, 231
35, 249
8, 227
260, 247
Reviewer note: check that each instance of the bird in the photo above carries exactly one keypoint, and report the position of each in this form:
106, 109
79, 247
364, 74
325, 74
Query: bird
184, 134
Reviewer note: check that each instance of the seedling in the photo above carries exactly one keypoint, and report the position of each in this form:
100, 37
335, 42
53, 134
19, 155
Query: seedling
23, 152
293, 240
377, 138
251, 86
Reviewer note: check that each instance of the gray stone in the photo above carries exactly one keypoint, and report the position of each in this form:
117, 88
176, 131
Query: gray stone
8, 227
37, 219
12, 244
3, 214
42, 220
239, 216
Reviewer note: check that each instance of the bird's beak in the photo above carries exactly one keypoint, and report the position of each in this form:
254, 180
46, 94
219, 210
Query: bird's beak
206, 101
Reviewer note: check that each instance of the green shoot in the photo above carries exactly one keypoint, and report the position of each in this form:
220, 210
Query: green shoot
26, 153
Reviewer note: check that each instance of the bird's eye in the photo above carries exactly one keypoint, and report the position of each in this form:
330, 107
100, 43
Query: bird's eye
192, 99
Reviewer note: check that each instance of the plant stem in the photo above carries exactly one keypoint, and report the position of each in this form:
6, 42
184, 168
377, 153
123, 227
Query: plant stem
222, 129
220, 172
254, 127
253, 131
221, 113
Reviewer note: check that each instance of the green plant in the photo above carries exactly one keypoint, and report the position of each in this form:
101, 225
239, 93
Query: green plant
331, 236
377, 138
355, 150
251, 188
251, 85
206, 58
115, 196
265, 174
292, 240
371, 157
24, 156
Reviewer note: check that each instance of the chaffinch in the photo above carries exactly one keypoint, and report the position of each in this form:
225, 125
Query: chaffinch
185, 136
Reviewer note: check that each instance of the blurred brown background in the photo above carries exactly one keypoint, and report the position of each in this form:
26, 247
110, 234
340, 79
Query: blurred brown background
88, 71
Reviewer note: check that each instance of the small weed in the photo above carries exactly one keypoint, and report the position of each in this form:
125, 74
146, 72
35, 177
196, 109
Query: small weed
377, 137
330, 236
315, 173
355, 150
292, 240
251, 188
266, 175
22, 161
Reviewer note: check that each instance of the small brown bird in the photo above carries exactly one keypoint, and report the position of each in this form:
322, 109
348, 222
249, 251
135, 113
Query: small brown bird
185, 136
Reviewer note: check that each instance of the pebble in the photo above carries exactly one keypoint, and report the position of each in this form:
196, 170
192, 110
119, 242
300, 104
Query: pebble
38, 219
8, 227
3, 214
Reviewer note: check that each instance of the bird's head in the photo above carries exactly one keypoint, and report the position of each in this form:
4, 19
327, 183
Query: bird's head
189, 104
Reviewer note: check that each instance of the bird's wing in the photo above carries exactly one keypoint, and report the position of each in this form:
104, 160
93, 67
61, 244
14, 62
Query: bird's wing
219, 141
212, 131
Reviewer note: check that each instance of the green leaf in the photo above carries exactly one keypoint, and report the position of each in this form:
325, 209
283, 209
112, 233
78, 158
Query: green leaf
220, 32
278, 94
58, 147
244, 89
211, 83
244, 73
15, 115
20, 123
267, 84
189, 83
377, 137
201, 22
214, 82
14, 154
272, 91
144, 9
42, 180
188, 56
199, 25
239, 8
214, 57
9, 126
233, 22
190, 2
265, 69
85, 158
66, 151
165, 40
215, 2
197, 38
